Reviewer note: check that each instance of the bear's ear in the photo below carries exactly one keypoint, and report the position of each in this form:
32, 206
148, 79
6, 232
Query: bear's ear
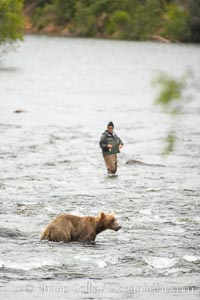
102, 215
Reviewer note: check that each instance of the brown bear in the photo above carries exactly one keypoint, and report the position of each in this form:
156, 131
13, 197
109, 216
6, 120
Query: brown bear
69, 228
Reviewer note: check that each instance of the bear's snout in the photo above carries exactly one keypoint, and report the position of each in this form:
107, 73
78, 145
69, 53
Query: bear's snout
118, 228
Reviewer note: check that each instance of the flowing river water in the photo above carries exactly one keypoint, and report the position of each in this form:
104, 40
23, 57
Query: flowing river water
51, 163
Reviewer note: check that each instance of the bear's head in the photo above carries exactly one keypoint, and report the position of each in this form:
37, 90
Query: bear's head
109, 221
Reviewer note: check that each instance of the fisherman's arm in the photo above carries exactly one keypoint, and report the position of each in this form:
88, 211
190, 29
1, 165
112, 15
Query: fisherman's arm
120, 143
103, 142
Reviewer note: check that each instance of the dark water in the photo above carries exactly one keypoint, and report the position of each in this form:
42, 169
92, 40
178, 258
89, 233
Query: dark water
51, 163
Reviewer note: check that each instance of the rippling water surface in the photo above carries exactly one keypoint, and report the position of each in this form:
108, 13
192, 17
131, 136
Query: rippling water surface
51, 163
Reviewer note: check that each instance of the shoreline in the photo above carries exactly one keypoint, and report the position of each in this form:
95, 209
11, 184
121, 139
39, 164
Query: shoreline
63, 31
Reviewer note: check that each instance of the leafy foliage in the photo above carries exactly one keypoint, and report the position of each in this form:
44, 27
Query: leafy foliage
121, 19
194, 21
176, 25
171, 92
118, 19
119, 24
171, 98
170, 142
11, 20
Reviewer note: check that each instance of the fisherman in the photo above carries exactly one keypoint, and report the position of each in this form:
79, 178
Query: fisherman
110, 144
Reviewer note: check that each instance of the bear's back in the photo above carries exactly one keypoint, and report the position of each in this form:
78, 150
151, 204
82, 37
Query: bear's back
67, 227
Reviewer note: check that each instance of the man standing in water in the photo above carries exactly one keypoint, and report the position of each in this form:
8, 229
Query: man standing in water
110, 144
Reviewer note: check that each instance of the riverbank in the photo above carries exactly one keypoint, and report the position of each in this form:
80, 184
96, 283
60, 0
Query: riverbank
49, 28
55, 30
162, 23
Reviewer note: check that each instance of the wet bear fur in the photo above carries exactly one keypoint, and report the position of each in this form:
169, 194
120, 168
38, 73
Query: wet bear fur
69, 228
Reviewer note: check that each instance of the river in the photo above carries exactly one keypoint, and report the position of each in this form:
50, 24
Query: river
51, 163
